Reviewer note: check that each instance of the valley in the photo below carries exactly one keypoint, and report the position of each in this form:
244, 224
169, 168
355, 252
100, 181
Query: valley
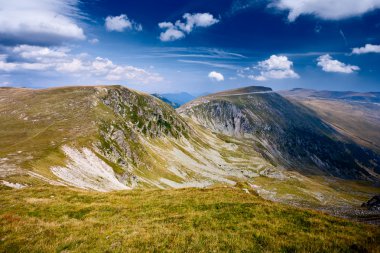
237, 147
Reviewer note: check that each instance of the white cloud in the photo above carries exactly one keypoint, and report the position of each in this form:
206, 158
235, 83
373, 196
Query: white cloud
328, 64
368, 48
171, 33
213, 64
216, 76
121, 23
60, 60
276, 67
178, 29
196, 20
47, 21
73, 66
5, 83
40, 53
93, 41
325, 9
6, 66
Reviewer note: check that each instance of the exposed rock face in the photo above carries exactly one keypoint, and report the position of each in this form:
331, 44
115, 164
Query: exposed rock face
137, 115
287, 132
145, 114
373, 204
85, 170
226, 118
108, 138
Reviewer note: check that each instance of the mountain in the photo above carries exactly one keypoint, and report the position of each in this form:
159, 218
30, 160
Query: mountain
110, 137
100, 168
178, 98
285, 132
373, 97
172, 104
105, 138
355, 115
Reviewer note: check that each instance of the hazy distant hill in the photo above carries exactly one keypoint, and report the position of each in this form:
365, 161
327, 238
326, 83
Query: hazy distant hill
171, 103
354, 114
178, 98
373, 97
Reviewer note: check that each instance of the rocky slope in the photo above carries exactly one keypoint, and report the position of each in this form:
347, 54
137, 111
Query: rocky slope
286, 132
108, 138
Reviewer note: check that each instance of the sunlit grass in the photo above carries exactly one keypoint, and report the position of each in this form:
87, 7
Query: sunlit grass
55, 219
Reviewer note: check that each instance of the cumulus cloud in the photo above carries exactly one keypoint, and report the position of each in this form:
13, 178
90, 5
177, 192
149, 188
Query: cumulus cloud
61, 60
171, 33
325, 9
47, 22
368, 48
121, 23
179, 29
328, 64
40, 53
216, 76
276, 67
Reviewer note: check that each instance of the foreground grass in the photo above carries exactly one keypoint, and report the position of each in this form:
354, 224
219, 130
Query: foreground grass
55, 219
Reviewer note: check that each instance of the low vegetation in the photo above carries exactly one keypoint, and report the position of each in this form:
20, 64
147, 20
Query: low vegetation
57, 219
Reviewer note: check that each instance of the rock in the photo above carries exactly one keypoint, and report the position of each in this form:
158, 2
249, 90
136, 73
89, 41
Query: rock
373, 204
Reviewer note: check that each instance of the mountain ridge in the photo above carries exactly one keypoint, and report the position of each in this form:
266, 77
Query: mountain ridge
373, 97
238, 116
104, 138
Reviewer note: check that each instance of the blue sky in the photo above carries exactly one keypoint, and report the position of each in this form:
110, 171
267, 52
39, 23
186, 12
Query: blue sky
194, 46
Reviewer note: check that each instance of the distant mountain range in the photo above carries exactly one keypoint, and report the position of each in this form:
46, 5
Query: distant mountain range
373, 97
353, 114
171, 103
175, 99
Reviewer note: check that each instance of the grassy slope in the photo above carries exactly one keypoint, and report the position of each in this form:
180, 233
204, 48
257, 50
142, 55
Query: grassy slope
295, 130
357, 120
69, 115
35, 123
311, 190
192, 220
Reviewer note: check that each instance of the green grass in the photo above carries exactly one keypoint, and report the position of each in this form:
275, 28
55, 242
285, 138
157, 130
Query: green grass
227, 219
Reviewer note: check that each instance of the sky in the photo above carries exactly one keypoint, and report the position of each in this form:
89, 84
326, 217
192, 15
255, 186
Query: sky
193, 46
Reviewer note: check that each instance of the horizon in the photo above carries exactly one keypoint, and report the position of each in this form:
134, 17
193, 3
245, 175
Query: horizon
195, 95
194, 46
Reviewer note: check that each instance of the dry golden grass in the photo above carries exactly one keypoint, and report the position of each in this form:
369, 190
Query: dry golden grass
58, 219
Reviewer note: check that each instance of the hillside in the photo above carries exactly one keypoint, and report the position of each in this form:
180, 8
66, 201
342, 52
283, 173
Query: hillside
57, 219
108, 138
372, 97
287, 133
356, 115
